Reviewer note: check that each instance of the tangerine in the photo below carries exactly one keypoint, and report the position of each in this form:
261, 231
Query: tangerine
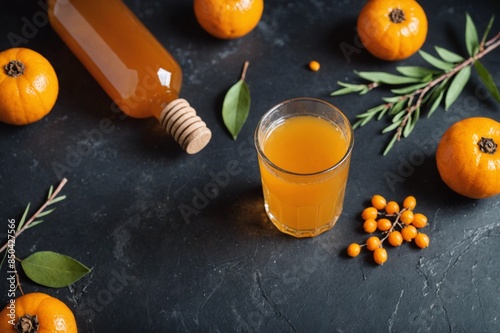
28, 86
392, 29
228, 19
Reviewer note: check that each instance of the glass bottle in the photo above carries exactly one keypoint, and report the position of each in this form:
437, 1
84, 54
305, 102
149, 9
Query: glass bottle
128, 62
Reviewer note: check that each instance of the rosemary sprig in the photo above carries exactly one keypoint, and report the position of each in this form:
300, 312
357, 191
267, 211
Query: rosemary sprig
416, 87
52, 198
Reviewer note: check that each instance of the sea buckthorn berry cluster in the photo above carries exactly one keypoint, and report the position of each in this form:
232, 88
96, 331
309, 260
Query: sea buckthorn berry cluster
396, 225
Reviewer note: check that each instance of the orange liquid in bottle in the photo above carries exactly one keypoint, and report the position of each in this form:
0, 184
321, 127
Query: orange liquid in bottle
134, 69
306, 205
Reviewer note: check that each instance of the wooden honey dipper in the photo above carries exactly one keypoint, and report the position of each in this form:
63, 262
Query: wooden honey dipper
180, 121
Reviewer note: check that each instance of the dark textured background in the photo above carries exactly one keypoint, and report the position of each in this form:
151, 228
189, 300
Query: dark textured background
227, 268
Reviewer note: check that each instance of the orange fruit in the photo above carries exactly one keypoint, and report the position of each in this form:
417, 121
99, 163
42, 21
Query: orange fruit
28, 86
468, 158
228, 19
51, 314
392, 29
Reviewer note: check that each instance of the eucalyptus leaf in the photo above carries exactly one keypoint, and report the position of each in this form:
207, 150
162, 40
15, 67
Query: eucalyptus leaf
448, 56
52, 269
456, 86
387, 78
436, 62
471, 38
487, 79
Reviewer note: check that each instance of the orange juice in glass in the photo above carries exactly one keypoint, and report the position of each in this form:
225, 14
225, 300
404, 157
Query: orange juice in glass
304, 149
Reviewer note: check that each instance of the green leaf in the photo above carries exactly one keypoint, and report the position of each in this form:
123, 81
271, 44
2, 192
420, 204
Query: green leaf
398, 117
487, 79
456, 86
392, 127
52, 269
390, 144
387, 78
436, 62
236, 105
56, 200
409, 89
416, 71
448, 56
51, 190
391, 99
45, 213
397, 107
23, 218
471, 38
436, 103
410, 124
350, 88
34, 223
488, 28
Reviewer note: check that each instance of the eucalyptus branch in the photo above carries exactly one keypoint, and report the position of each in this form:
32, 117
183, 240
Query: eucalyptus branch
424, 86
51, 199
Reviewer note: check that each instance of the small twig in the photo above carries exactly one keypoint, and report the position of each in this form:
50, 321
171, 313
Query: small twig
38, 212
490, 45
244, 71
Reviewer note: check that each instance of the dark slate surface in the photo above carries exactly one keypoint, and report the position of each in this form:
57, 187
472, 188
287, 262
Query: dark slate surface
227, 268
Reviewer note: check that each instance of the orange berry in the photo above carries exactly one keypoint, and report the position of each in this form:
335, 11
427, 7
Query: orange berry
409, 232
384, 224
373, 243
395, 238
353, 249
369, 213
314, 66
380, 255
378, 202
407, 217
419, 220
370, 226
392, 207
410, 202
422, 240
